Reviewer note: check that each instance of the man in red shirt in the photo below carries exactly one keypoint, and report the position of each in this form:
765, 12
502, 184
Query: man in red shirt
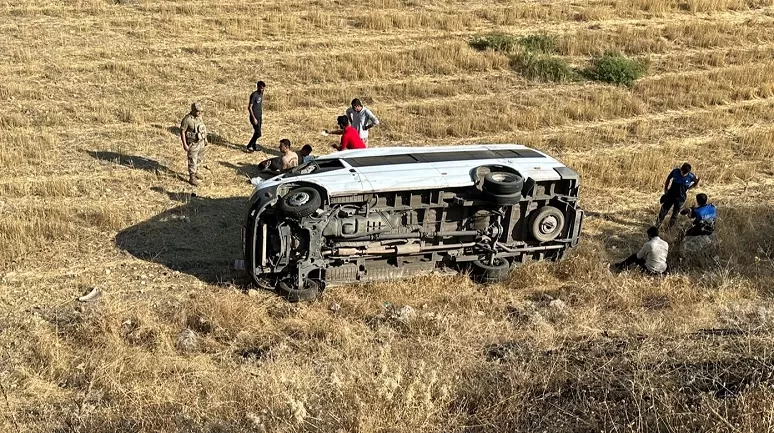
350, 138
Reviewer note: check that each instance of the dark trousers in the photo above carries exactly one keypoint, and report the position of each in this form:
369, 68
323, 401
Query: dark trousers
670, 202
698, 230
633, 260
256, 135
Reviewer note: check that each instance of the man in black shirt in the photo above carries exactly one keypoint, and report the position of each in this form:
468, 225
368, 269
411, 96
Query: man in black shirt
677, 184
255, 109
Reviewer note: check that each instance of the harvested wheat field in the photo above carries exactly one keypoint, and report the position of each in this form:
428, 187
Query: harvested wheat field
92, 196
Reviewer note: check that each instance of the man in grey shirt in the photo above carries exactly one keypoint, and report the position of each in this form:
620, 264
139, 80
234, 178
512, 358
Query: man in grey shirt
361, 118
652, 257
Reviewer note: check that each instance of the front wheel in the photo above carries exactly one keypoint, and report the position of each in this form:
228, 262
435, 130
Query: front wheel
300, 202
310, 292
490, 271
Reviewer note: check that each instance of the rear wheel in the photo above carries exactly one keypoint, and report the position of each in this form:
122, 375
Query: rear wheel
490, 272
546, 224
300, 202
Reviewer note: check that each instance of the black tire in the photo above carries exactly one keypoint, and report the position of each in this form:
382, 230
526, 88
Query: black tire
502, 199
503, 183
484, 273
310, 292
300, 202
546, 224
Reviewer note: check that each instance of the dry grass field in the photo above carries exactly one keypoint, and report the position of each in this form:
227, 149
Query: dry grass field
91, 197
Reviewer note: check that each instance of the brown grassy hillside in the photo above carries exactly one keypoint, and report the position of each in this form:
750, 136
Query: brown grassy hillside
91, 196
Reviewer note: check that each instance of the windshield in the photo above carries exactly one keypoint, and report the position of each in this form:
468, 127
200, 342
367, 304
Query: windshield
316, 166
305, 168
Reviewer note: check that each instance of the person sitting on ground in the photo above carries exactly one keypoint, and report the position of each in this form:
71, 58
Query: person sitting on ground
652, 256
704, 216
679, 181
283, 163
350, 139
305, 154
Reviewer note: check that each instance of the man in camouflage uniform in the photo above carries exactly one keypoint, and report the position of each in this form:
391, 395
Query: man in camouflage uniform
194, 136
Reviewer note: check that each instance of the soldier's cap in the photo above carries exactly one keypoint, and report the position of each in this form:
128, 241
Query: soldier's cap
197, 107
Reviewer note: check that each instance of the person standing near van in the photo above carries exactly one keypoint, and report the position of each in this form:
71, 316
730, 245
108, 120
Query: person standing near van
676, 187
361, 118
255, 109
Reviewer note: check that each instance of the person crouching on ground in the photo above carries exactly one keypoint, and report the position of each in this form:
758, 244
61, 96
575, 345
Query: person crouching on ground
704, 215
652, 257
285, 162
350, 139
193, 133
677, 184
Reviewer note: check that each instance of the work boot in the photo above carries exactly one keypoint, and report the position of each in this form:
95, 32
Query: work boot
192, 180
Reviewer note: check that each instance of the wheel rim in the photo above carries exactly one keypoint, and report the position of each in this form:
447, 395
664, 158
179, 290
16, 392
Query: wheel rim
500, 177
548, 224
298, 199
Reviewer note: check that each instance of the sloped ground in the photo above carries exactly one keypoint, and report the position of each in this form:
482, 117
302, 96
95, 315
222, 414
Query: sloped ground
91, 196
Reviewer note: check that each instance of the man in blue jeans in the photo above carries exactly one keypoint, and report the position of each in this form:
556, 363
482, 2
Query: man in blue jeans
677, 184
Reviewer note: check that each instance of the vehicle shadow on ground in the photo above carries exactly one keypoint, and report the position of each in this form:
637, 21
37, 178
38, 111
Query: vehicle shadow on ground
182, 197
132, 161
201, 237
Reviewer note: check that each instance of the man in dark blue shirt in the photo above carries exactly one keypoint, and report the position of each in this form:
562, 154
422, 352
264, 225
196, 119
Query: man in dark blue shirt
704, 215
677, 184
255, 109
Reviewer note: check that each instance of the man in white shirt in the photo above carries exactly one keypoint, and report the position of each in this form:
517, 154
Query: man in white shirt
652, 257
361, 118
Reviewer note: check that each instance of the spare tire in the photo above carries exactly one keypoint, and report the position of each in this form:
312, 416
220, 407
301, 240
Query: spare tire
485, 273
503, 183
502, 199
300, 202
546, 223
